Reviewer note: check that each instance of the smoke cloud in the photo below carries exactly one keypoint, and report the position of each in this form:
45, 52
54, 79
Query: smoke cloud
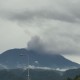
36, 44
54, 47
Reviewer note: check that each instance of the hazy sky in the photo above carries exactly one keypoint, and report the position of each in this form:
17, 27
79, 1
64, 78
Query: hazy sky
50, 24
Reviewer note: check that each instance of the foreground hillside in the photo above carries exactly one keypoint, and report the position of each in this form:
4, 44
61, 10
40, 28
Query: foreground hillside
9, 75
76, 78
20, 74
38, 74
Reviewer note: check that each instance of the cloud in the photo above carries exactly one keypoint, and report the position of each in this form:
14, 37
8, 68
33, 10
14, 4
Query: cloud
55, 22
25, 10
42, 14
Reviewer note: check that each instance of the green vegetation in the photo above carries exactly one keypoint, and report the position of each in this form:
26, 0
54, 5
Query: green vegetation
76, 78
8, 75
39, 74
18, 74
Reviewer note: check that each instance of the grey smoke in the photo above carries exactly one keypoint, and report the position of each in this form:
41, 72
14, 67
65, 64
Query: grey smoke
36, 44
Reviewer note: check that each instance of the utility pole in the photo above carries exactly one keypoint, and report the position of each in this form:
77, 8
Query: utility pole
28, 69
28, 75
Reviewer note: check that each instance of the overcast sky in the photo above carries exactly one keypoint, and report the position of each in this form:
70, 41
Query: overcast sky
50, 24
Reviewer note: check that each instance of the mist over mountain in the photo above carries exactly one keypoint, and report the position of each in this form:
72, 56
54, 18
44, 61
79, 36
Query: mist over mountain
18, 58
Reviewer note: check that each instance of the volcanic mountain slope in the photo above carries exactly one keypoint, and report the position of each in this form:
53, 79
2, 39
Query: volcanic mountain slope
17, 58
